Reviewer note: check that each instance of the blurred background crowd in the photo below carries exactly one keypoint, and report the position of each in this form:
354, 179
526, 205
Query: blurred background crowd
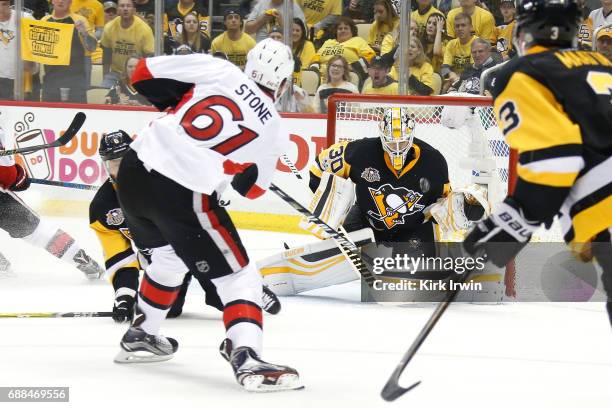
348, 46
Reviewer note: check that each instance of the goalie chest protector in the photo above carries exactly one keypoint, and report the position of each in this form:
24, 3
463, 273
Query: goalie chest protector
390, 201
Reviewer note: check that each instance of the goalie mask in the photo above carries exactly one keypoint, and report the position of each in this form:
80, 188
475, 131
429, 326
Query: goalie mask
396, 134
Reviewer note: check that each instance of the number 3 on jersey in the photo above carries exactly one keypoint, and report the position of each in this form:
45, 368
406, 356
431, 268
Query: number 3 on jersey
509, 117
205, 108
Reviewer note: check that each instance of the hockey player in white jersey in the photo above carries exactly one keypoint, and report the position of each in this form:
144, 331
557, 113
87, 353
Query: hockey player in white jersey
221, 128
20, 221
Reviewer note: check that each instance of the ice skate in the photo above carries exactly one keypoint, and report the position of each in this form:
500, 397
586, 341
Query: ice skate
269, 301
139, 347
88, 266
256, 375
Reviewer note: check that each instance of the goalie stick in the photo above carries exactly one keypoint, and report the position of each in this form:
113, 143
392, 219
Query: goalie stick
72, 130
348, 247
56, 314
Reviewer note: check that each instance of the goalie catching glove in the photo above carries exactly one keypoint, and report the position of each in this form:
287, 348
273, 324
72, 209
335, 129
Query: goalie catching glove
458, 211
502, 235
331, 203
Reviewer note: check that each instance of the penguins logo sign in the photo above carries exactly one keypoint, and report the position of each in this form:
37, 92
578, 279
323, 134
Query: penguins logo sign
394, 204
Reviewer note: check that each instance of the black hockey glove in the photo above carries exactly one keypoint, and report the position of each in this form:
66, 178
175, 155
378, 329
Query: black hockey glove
123, 308
245, 180
502, 235
22, 182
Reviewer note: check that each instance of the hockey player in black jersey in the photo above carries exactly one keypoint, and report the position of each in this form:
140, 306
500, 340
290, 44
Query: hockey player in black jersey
554, 107
122, 261
399, 184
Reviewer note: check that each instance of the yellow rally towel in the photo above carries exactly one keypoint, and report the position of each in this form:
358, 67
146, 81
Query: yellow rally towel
45, 42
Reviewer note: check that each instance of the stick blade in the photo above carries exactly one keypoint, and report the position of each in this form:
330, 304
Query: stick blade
73, 128
392, 390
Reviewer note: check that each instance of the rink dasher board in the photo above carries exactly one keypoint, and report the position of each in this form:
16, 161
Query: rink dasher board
78, 161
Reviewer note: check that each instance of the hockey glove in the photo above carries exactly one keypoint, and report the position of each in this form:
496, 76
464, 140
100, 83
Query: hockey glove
502, 235
245, 176
123, 307
22, 182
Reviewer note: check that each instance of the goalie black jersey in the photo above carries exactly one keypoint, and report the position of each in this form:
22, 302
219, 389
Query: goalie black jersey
390, 202
555, 108
107, 220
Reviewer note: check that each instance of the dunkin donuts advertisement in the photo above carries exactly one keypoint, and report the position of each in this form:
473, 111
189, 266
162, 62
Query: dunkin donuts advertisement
78, 161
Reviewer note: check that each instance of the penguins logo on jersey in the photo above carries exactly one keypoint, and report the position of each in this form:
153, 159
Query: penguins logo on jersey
115, 217
394, 204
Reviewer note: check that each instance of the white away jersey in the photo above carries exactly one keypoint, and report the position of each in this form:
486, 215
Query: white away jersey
5, 143
224, 116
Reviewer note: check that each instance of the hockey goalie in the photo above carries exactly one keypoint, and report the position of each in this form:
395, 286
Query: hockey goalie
392, 194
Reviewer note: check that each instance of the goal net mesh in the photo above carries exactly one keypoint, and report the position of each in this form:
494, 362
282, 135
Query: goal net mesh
450, 128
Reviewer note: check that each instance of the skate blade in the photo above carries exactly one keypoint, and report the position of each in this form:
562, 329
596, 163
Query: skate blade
134, 357
286, 382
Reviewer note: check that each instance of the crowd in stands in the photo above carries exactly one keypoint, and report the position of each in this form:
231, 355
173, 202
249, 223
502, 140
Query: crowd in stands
340, 46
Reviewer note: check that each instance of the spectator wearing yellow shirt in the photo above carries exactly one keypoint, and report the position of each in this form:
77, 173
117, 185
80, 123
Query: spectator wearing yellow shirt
234, 43
469, 81
93, 12
483, 22
434, 40
386, 20
379, 81
303, 49
424, 9
66, 83
504, 31
420, 80
391, 40
124, 36
266, 14
348, 44
321, 14
458, 53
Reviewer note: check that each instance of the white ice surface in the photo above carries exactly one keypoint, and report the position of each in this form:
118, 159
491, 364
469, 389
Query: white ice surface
513, 355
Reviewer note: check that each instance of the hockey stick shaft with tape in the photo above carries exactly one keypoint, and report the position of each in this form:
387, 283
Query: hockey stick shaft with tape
352, 256
392, 390
72, 130
347, 246
55, 314
64, 184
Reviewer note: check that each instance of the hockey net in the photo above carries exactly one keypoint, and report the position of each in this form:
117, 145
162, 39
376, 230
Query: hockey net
463, 129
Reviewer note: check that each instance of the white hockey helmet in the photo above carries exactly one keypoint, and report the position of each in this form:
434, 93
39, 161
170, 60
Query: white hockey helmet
270, 63
396, 134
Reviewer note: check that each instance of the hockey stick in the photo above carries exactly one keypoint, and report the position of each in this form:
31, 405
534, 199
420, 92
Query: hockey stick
64, 184
291, 166
354, 258
72, 130
57, 314
348, 247
392, 390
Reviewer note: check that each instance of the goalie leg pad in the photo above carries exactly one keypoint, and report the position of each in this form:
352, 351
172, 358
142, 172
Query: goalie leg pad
311, 267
